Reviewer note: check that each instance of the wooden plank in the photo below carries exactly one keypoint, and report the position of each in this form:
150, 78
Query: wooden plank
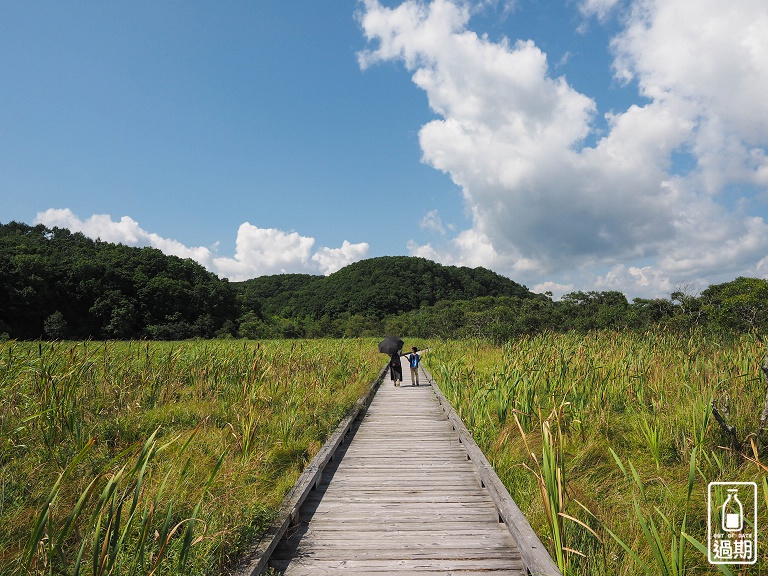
482, 559
535, 555
404, 495
255, 560
410, 566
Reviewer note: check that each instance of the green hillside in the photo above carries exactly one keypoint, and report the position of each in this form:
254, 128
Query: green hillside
377, 287
58, 285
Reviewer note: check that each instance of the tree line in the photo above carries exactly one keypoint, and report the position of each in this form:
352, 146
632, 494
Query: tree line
56, 284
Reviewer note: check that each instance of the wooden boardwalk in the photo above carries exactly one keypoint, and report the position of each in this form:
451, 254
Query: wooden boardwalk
401, 498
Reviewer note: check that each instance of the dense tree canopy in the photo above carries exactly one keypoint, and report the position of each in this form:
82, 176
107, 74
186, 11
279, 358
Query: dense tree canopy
56, 284
377, 287
740, 305
62, 285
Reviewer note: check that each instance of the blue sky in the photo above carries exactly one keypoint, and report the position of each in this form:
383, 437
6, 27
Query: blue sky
575, 145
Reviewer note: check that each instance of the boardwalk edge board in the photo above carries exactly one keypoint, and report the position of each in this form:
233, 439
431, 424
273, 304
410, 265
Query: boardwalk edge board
537, 560
255, 560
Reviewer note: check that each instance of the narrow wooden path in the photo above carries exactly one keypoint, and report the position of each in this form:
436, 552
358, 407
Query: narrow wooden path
401, 498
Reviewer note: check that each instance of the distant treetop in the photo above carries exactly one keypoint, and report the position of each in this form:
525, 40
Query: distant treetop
376, 287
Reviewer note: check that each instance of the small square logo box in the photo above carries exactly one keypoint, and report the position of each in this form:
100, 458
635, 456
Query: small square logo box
732, 522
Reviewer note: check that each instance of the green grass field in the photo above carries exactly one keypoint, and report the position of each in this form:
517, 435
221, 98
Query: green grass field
607, 443
168, 458
160, 458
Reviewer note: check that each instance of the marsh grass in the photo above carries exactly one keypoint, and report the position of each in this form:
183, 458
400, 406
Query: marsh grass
159, 458
605, 440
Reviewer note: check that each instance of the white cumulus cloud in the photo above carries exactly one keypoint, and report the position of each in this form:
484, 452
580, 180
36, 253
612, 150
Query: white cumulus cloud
434, 223
125, 231
545, 206
329, 260
557, 290
599, 8
258, 251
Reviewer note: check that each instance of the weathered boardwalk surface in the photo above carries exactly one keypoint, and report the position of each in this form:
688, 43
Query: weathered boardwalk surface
401, 497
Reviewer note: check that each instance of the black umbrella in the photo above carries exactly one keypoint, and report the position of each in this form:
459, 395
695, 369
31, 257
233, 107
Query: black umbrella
390, 345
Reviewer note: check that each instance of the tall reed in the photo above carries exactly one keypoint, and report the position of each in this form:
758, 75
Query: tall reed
145, 458
582, 403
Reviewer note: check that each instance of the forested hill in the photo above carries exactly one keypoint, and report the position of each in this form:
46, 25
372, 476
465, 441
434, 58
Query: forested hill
377, 287
59, 285
56, 284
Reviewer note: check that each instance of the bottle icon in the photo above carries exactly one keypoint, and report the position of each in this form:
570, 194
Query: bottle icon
732, 512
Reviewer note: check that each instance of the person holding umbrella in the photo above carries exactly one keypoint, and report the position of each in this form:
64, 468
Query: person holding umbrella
392, 346
395, 369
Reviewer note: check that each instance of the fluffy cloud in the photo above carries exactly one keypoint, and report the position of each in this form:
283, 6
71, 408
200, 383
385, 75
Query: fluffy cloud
707, 60
620, 277
557, 290
599, 8
127, 231
258, 251
434, 223
329, 260
543, 203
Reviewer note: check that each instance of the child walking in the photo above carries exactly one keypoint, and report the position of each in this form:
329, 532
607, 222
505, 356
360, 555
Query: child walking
413, 362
